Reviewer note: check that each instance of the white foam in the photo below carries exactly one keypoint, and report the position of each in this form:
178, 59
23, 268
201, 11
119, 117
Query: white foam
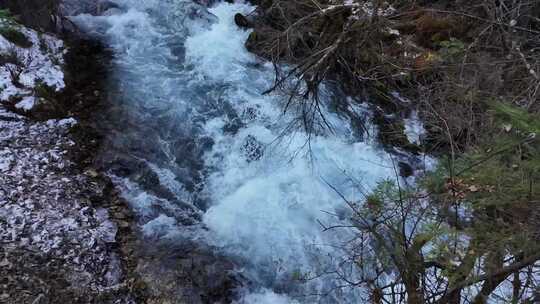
266, 296
414, 128
162, 226
267, 211
220, 51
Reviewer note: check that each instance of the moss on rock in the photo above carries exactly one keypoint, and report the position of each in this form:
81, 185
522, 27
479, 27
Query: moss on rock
13, 35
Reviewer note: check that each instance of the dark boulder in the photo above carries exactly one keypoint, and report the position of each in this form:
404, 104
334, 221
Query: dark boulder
242, 21
37, 14
405, 170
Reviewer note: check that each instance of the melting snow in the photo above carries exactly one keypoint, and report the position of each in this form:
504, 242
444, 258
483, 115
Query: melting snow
39, 64
27, 103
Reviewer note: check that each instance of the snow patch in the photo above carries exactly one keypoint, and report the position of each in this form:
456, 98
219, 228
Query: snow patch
27, 103
40, 64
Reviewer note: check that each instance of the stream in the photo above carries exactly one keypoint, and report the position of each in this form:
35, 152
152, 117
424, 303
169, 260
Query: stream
206, 161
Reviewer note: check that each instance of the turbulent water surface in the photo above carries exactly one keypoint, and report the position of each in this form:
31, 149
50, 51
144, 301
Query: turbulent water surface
202, 155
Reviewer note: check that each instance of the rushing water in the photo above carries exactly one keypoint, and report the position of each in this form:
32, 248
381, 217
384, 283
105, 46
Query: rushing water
201, 155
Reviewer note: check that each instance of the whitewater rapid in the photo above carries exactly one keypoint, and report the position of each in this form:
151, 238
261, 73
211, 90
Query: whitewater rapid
189, 110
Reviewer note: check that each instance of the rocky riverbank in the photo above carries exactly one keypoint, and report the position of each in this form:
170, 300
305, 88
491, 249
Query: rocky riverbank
66, 234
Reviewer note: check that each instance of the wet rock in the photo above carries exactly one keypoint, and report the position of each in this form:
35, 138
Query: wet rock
206, 143
251, 113
253, 149
112, 12
241, 21
123, 224
76, 7
185, 272
232, 126
92, 7
92, 173
37, 14
199, 12
120, 215
105, 5
405, 170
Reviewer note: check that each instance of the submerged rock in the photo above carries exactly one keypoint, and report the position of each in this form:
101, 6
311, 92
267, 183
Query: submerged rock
105, 5
253, 149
